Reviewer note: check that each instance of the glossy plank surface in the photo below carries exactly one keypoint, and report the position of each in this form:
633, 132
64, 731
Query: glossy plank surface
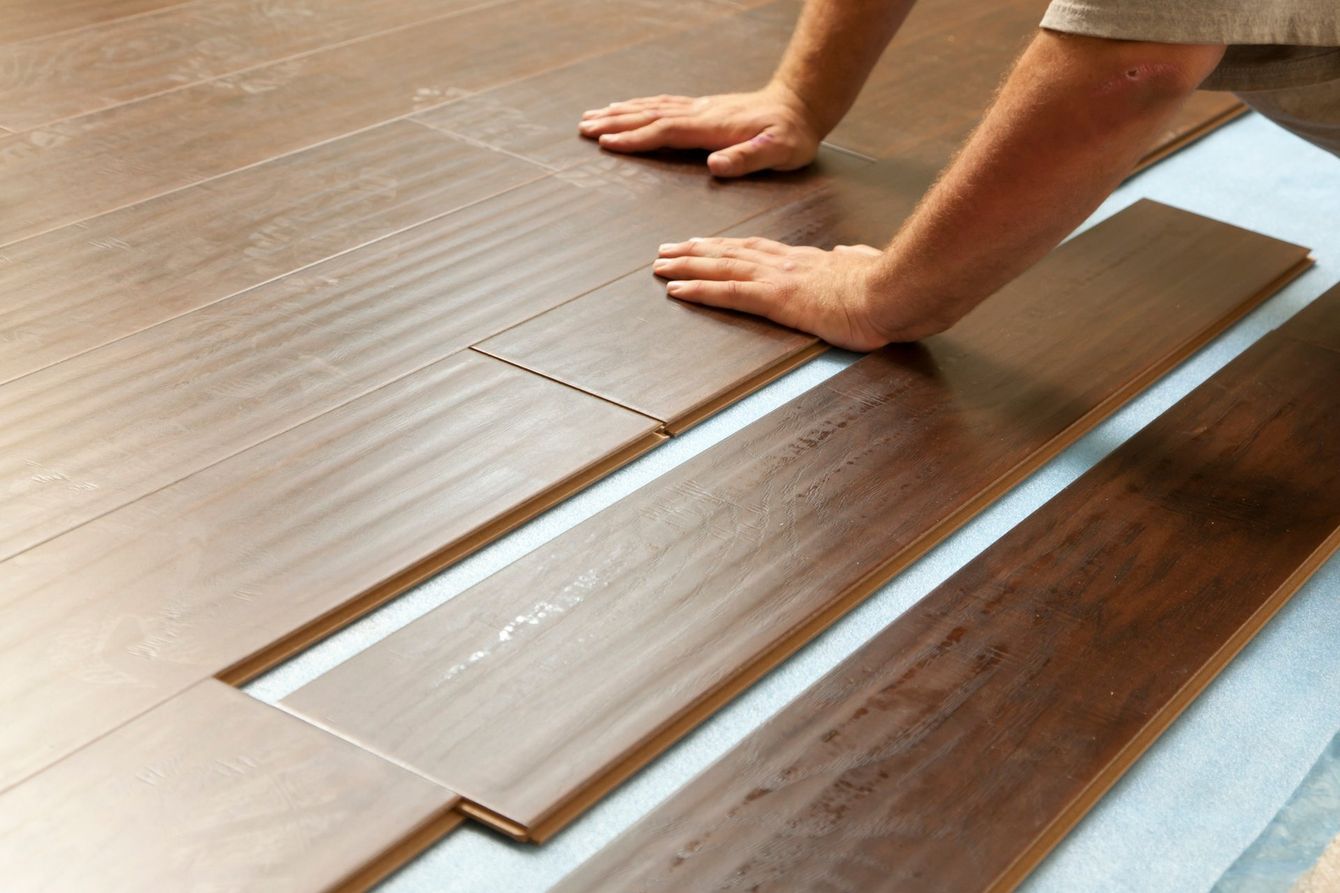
73, 73
84, 285
25, 19
953, 750
676, 362
104, 428
214, 790
76, 169
923, 98
537, 690
240, 564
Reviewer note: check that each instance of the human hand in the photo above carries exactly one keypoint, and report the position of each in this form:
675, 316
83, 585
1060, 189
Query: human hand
745, 132
827, 293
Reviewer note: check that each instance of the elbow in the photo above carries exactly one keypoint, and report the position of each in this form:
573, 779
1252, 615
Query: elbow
1155, 74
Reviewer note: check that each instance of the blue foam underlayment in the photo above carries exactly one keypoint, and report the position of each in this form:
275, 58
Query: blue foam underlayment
1205, 790
1295, 839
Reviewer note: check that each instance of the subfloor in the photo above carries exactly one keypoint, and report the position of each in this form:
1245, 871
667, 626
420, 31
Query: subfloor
1204, 791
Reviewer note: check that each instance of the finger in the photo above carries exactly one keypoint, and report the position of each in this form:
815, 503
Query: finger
636, 105
868, 250
714, 268
763, 151
718, 247
748, 297
665, 133
616, 123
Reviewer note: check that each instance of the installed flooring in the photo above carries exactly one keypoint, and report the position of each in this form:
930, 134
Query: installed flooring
306, 299
954, 749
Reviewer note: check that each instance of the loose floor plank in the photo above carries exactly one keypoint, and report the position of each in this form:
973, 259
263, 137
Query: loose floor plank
536, 691
956, 748
922, 100
97, 431
84, 285
85, 166
25, 20
215, 790
234, 568
678, 362
73, 73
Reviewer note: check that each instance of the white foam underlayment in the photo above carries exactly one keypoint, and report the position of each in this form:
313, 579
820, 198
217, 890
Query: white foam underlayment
1186, 810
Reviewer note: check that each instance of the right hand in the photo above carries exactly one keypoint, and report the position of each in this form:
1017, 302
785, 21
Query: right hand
745, 132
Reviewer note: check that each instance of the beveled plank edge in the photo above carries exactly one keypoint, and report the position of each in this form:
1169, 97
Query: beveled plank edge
277, 60
669, 29
643, 752
683, 422
268, 657
411, 845
1183, 140
1061, 825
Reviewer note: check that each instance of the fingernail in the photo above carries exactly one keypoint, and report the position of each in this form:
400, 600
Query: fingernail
697, 239
606, 138
673, 288
668, 246
660, 264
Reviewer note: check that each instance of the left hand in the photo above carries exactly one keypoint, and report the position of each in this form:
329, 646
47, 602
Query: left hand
827, 293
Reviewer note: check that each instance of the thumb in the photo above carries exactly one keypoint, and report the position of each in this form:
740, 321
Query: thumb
763, 151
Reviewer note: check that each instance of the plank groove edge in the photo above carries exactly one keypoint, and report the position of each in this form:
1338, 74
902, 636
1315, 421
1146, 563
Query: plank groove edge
611, 641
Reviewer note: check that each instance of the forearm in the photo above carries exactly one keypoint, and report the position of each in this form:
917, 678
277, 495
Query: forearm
1070, 123
835, 44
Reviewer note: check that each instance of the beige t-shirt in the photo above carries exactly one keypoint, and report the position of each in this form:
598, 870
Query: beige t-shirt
1283, 56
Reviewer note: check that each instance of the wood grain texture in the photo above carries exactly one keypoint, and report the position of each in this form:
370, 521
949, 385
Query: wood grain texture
215, 790
85, 285
237, 566
957, 747
536, 691
97, 431
677, 362
923, 98
25, 19
76, 72
78, 168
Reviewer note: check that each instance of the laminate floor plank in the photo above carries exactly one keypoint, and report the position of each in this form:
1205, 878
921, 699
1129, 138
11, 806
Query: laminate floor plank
99, 430
677, 362
957, 747
215, 790
536, 691
88, 284
81, 167
76, 72
237, 566
25, 19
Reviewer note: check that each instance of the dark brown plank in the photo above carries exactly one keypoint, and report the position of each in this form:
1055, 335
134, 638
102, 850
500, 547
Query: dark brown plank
235, 567
97, 431
26, 19
76, 169
214, 790
676, 362
533, 693
84, 285
956, 748
73, 73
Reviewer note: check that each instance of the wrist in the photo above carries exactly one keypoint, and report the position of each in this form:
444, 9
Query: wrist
900, 311
803, 107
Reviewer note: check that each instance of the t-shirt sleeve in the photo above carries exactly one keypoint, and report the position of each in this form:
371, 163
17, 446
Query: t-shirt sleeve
1296, 22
